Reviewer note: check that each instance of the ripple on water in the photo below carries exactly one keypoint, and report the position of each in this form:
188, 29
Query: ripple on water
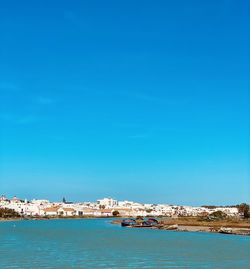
97, 244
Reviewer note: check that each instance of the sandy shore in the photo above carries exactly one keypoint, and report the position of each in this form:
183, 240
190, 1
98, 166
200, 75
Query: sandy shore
241, 227
9, 219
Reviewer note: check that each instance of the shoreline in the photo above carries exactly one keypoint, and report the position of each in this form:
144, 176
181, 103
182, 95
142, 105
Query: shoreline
184, 225
50, 218
179, 225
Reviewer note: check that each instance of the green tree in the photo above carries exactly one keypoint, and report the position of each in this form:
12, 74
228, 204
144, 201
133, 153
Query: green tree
244, 209
149, 210
115, 213
8, 213
218, 215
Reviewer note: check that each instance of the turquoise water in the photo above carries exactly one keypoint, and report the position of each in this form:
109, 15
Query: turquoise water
99, 244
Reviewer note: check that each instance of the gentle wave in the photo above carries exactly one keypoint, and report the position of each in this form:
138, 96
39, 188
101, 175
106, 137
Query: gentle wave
79, 244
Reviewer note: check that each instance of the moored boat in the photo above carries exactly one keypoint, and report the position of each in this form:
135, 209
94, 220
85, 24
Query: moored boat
152, 221
128, 222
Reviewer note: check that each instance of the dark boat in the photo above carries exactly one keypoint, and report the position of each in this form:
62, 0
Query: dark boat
151, 222
128, 222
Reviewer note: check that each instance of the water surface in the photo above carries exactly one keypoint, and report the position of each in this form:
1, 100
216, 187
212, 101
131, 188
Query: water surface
95, 243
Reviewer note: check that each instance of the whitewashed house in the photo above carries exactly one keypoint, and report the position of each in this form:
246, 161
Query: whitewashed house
107, 202
50, 211
66, 212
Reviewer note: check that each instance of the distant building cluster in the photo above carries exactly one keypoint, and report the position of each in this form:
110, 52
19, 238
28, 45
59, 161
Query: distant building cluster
106, 207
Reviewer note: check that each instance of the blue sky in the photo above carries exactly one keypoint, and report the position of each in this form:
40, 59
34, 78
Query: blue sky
140, 100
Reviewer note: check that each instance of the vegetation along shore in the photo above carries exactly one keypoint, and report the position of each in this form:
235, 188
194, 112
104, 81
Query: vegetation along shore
193, 224
216, 222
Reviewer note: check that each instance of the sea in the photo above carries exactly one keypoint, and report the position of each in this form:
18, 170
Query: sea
97, 244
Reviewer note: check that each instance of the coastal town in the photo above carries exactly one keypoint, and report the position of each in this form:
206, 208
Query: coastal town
108, 207
221, 219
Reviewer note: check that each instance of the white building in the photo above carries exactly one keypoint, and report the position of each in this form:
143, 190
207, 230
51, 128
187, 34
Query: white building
50, 211
107, 202
66, 212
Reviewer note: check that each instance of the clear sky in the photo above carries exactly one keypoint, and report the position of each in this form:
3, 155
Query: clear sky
138, 100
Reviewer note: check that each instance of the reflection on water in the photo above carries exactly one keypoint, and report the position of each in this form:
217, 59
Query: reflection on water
98, 244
